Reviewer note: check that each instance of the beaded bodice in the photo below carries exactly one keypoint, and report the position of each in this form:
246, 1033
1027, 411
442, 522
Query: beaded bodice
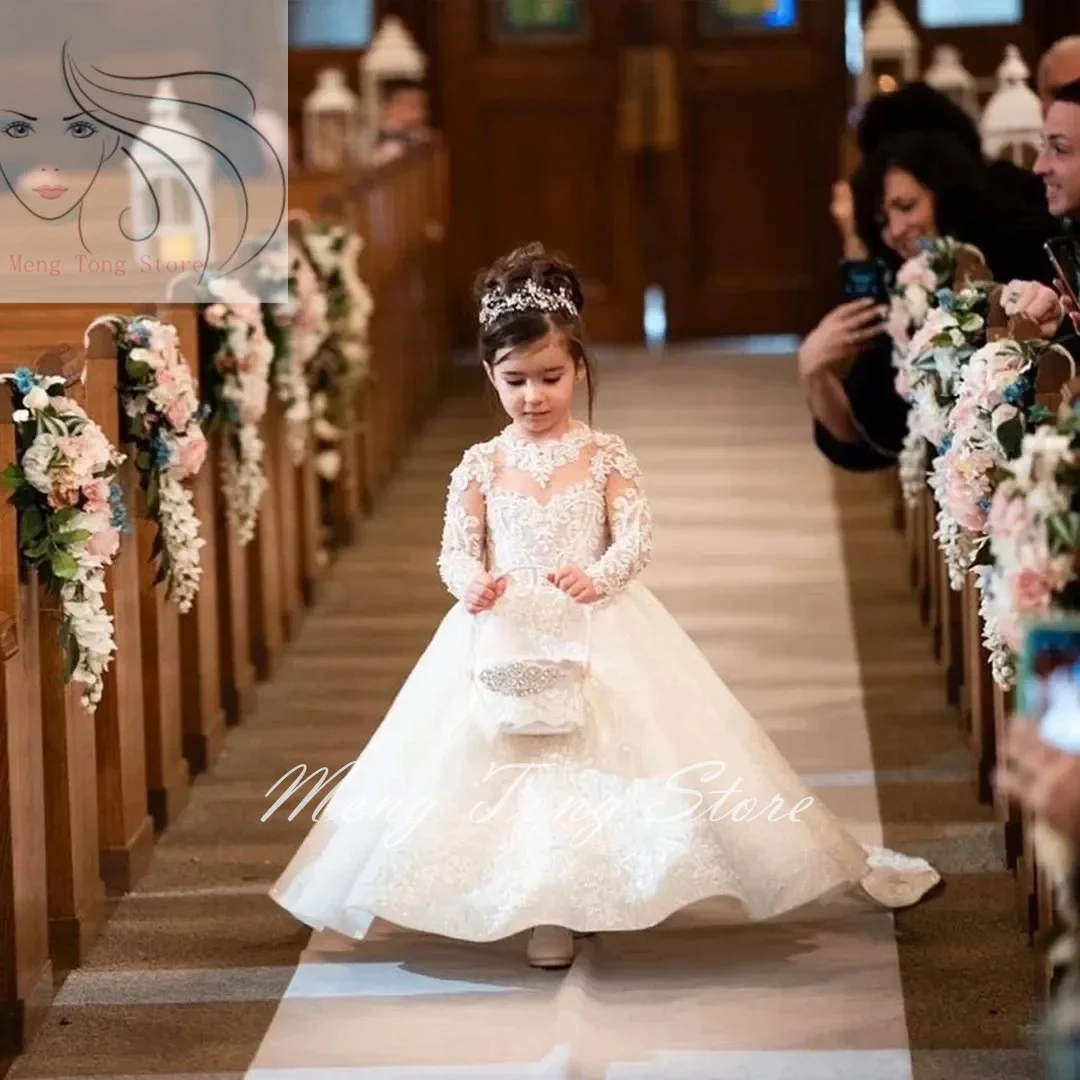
573, 501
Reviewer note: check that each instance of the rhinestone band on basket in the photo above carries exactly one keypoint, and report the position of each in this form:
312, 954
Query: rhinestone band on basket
525, 678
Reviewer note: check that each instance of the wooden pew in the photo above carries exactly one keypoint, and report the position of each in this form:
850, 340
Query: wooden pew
332, 509
396, 207
98, 831
264, 554
200, 691
25, 967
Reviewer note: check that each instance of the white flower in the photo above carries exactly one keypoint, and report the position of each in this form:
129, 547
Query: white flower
37, 399
36, 460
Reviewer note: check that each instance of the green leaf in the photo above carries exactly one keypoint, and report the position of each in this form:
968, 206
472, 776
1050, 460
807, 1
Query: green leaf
71, 656
12, 477
62, 519
1011, 435
31, 526
76, 536
1066, 528
37, 551
63, 566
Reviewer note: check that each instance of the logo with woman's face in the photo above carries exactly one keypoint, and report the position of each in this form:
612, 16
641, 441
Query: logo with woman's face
140, 161
50, 160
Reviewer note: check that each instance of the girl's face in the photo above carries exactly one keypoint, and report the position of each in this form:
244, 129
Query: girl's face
50, 150
536, 383
907, 213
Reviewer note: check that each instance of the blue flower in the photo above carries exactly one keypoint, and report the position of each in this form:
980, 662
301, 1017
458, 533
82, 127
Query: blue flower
945, 444
984, 504
1014, 393
25, 380
119, 517
946, 300
160, 450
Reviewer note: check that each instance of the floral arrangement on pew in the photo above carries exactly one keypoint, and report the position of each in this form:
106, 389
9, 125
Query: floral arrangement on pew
71, 516
162, 418
1034, 532
936, 321
995, 408
297, 330
342, 364
236, 384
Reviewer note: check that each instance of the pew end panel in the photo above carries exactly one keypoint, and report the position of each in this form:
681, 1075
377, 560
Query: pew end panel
127, 829
26, 971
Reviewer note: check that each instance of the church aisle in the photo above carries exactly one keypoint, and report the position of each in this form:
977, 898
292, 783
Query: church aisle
791, 580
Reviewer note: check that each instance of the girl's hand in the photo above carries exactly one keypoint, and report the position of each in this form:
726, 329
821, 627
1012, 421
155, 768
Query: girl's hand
576, 584
482, 593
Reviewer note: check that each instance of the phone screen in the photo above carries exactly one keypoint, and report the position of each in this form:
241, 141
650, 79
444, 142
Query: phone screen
1049, 682
1065, 258
864, 281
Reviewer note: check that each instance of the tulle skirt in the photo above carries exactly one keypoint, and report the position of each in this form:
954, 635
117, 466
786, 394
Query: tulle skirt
669, 794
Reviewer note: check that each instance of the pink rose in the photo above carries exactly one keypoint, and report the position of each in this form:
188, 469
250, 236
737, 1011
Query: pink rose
1030, 590
104, 544
190, 454
97, 496
1008, 517
179, 412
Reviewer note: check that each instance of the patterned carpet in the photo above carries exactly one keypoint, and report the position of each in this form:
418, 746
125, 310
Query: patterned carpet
791, 580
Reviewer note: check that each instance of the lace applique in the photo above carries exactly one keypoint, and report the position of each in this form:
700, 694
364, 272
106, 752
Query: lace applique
541, 458
461, 553
628, 515
613, 456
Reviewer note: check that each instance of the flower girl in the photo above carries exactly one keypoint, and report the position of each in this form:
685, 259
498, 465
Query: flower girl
563, 758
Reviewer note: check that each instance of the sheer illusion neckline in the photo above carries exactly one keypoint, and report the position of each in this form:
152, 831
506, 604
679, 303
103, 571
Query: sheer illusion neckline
541, 457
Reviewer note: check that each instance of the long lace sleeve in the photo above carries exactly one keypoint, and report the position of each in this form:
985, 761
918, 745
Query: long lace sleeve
461, 554
629, 521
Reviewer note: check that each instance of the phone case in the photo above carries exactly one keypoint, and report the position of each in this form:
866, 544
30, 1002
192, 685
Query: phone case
1060, 632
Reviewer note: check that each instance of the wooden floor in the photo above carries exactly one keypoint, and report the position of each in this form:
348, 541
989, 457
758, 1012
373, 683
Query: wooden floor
791, 580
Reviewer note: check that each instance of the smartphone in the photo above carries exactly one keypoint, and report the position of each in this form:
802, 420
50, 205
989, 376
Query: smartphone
864, 280
1065, 259
1049, 681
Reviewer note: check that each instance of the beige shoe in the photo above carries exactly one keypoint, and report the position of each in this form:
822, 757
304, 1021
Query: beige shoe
551, 947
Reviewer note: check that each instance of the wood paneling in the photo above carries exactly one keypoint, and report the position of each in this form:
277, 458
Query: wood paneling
744, 196
536, 156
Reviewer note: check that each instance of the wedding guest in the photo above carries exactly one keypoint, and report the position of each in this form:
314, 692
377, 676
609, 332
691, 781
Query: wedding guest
1058, 167
403, 119
1059, 66
914, 187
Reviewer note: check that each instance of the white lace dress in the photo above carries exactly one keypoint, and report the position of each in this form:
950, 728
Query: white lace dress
441, 827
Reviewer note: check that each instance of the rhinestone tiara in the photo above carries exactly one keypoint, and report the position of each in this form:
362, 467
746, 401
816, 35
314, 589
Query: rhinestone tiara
530, 297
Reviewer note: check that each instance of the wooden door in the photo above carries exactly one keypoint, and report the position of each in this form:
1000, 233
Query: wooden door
744, 192
531, 93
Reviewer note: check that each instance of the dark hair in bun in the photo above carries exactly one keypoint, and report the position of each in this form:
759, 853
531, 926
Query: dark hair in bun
534, 264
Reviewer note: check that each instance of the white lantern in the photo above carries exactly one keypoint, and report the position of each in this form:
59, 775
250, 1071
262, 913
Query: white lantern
1011, 125
174, 227
890, 51
331, 123
393, 54
947, 74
